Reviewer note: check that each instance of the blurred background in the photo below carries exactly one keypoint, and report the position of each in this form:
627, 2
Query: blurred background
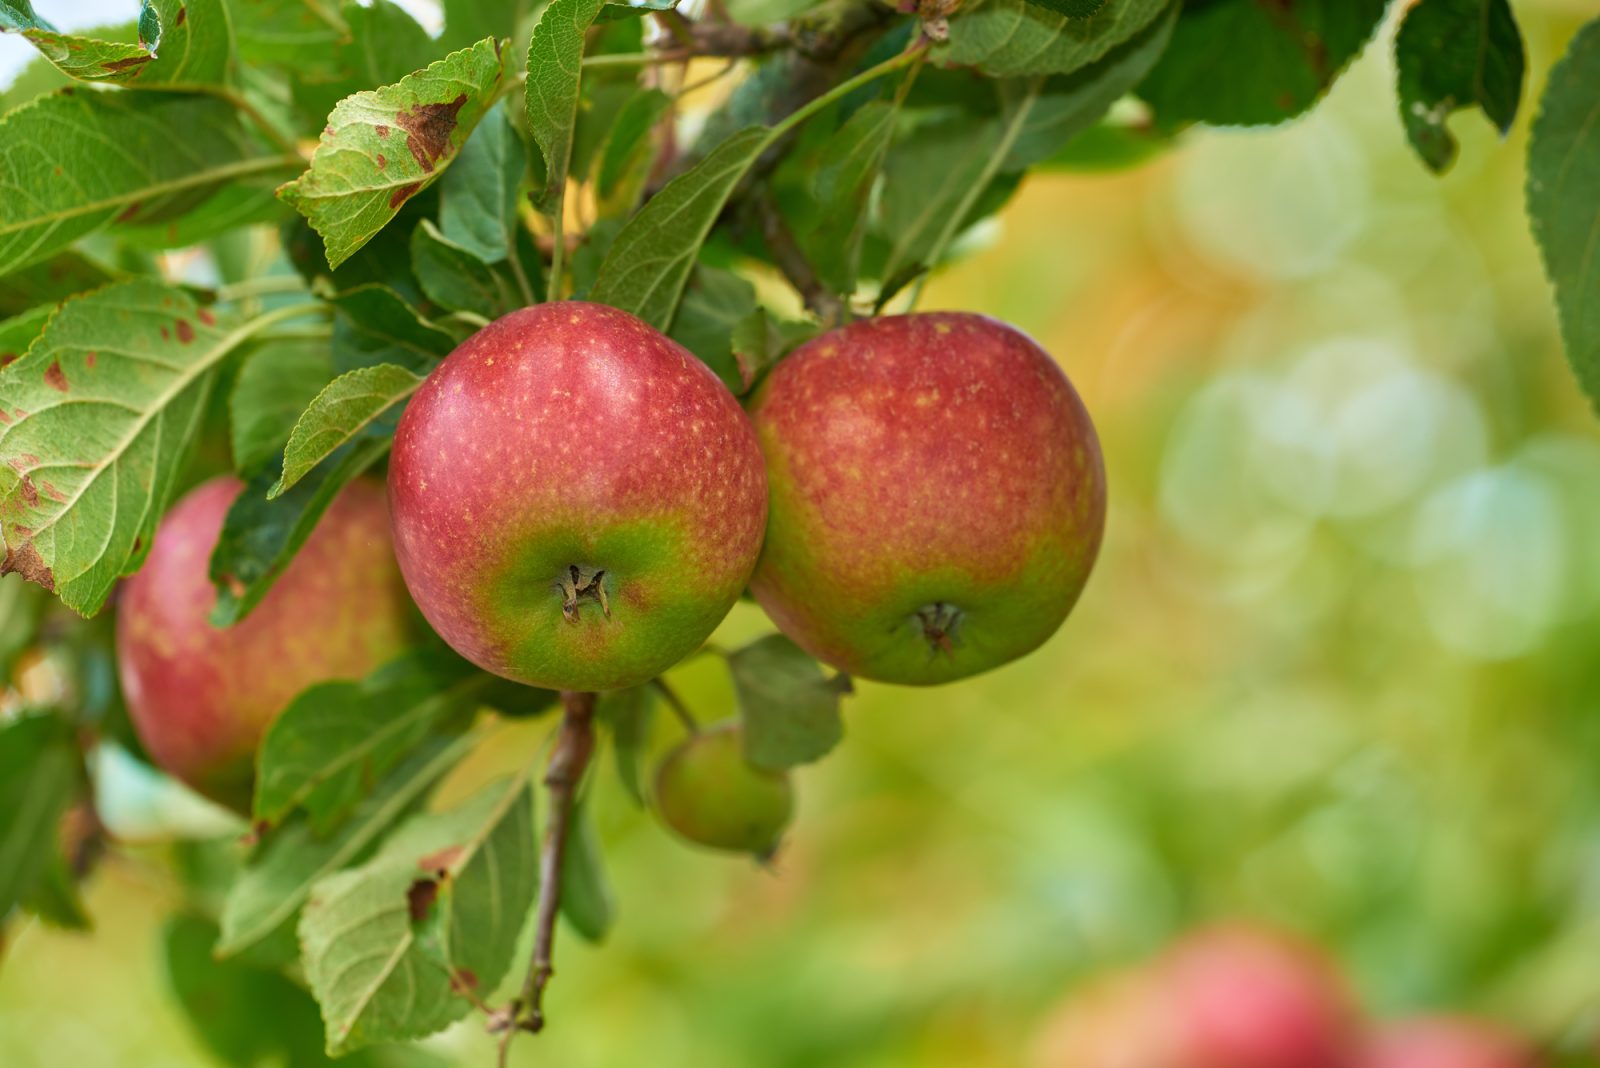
1337, 669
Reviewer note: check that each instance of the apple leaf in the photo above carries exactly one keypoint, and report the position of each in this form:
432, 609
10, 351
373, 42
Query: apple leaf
373, 324
714, 304
97, 421
628, 714
74, 162
456, 278
1563, 176
195, 52
20, 331
18, 15
1072, 9
649, 262
931, 169
293, 33
49, 281
1011, 38
392, 948
1281, 57
383, 146
40, 775
847, 169
555, 69
354, 405
291, 859
586, 899
275, 384
630, 151
321, 753
260, 536
478, 195
466, 21
1453, 54
789, 709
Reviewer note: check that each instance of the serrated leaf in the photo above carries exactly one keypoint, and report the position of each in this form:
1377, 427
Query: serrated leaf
275, 384
74, 162
323, 752
1014, 38
18, 15
628, 713
931, 171
1281, 58
40, 775
1068, 104
714, 303
279, 876
1453, 54
1072, 9
455, 278
352, 406
761, 339
99, 417
586, 899
649, 262
789, 709
380, 43
392, 947
191, 52
373, 324
246, 202
849, 165
20, 331
1563, 176
478, 195
555, 69
44, 283
260, 537
381, 147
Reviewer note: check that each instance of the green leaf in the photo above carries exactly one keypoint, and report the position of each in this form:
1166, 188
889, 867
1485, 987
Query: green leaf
850, 164
761, 339
243, 203
352, 406
630, 152
1281, 58
51, 280
586, 899
931, 171
790, 711
715, 302
194, 53
392, 947
1107, 146
555, 68
455, 278
1563, 176
379, 44
649, 262
18, 15
40, 775
373, 324
20, 331
1072, 9
1068, 104
291, 859
75, 162
260, 537
274, 386
100, 415
466, 21
1453, 54
322, 753
55, 898
381, 147
22, 606
1011, 38
478, 201
302, 34
628, 714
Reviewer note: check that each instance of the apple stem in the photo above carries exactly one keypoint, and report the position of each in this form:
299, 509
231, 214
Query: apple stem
573, 748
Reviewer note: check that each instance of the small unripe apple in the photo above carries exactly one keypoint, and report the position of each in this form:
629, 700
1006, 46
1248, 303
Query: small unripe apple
201, 696
710, 794
577, 500
1446, 1042
937, 496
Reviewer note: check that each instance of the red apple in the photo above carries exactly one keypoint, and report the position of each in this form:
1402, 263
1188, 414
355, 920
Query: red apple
578, 501
709, 793
199, 696
937, 496
1446, 1042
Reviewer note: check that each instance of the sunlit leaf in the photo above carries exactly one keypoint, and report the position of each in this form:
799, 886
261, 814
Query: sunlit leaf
350, 407
1009, 38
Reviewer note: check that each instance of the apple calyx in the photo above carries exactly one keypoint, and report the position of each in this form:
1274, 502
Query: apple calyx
575, 589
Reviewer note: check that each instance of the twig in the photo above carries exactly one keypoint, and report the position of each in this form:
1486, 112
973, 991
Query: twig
574, 746
675, 702
795, 265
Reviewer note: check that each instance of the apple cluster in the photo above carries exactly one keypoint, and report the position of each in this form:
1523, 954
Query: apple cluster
1242, 996
576, 502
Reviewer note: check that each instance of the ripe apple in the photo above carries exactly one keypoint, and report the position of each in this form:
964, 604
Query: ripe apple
199, 696
577, 500
710, 794
937, 496
1445, 1042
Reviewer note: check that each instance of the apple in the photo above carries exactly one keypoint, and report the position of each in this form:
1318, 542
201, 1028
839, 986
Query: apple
577, 500
1445, 1042
710, 794
937, 496
201, 696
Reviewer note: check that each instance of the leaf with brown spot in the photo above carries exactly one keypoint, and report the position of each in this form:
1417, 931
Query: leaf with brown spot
177, 52
55, 378
420, 897
346, 195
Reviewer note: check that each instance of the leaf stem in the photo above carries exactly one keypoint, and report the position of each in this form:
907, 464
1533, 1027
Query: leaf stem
675, 702
639, 59
845, 88
255, 287
574, 746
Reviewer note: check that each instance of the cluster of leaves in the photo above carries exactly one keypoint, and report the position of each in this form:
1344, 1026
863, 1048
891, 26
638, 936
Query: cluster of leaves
358, 196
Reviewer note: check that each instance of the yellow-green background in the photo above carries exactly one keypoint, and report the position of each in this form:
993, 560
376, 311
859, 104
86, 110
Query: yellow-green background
1339, 666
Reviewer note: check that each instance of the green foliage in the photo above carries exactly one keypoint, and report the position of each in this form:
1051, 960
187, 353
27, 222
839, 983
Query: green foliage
789, 709
1563, 173
1014, 38
195, 52
276, 382
1454, 54
345, 410
41, 774
586, 899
